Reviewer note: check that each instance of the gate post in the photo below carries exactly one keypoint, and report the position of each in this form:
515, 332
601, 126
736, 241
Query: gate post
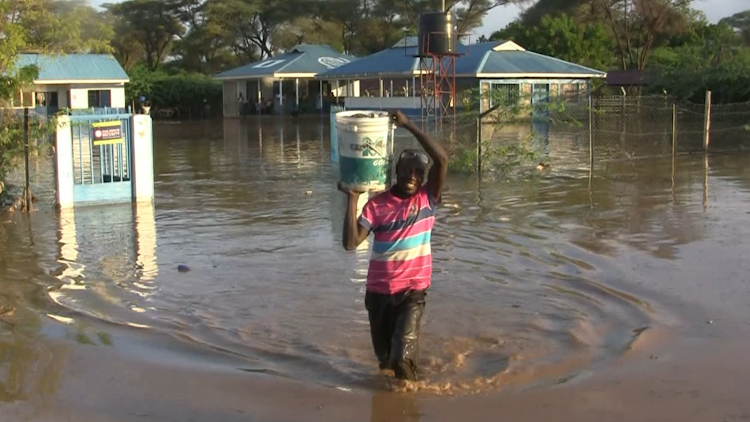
143, 158
64, 163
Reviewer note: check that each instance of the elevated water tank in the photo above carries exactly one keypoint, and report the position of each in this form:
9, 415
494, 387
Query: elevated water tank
437, 34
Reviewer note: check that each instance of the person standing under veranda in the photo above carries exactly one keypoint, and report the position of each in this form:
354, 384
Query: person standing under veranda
401, 219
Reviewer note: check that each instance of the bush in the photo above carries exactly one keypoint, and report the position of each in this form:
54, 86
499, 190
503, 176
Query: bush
185, 91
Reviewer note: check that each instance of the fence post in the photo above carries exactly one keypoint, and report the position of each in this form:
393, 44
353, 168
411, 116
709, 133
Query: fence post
479, 144
674, 130
707, 121
591, 131
27, 191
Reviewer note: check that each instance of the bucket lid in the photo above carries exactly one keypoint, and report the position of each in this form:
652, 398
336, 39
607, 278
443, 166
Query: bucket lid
363, 114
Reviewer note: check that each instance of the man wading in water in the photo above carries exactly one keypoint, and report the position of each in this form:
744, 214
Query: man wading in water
401, 219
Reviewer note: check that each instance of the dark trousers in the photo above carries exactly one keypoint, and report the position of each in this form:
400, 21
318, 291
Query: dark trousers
394, 326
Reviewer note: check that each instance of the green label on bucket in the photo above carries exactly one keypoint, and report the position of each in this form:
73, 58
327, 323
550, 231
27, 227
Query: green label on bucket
364, 173
368, 148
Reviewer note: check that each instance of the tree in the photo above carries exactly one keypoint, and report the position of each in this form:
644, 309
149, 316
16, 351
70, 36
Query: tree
712, 58
68, 26
151, 24
740, 22
637, 24
582, 11
13, 79
470, 13
564, 38
308, 30
252, 24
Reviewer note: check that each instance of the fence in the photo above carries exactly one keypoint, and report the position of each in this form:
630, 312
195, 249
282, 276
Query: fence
628, 127
582, 134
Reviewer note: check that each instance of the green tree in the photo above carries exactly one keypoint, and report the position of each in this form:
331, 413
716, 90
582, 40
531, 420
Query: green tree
638, 25
69, 26
564, 38
150, 23
740, 22
13, 27
712, 58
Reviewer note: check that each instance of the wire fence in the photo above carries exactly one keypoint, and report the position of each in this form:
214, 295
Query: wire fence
617, 128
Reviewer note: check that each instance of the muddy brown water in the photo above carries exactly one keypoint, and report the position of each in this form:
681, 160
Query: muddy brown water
539, 279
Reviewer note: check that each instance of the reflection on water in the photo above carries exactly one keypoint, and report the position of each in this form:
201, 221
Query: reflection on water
535, 278
107, 256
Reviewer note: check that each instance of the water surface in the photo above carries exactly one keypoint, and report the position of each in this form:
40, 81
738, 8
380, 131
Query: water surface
538, 278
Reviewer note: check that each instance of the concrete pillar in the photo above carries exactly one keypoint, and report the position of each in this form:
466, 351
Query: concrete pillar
64, 157
143, 159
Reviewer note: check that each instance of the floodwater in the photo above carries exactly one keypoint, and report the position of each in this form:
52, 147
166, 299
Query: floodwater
540, 281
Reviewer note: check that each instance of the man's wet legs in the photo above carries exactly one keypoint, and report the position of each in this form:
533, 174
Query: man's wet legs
379, 310
405, 340
394, 327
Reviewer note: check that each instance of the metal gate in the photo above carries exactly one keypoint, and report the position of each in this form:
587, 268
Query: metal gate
540, 101
102, 158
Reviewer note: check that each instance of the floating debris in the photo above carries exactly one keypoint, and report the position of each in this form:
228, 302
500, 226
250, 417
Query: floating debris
183, 268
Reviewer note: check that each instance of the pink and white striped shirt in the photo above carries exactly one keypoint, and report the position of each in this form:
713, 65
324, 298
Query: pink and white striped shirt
401, 254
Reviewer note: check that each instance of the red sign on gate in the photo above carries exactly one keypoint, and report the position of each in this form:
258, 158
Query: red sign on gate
107, 133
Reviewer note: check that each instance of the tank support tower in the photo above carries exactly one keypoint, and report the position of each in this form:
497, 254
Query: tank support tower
437, 49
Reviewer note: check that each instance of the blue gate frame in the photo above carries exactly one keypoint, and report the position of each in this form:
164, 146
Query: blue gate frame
102, 173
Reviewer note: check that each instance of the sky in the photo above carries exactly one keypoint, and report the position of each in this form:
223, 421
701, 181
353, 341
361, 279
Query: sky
714, 10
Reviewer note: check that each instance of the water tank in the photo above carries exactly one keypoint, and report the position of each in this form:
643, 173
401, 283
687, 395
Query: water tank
437, 34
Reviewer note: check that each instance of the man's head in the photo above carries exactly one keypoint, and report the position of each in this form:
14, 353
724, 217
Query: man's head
410, 171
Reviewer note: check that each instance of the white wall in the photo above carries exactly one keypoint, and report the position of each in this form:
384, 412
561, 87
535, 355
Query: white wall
79, 98
79, 94
404, 103
118, 97
343, 92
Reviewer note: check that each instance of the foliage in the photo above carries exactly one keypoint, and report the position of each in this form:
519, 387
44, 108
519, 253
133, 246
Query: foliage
740, 23
502, 156
670, 41
717, 62
163, 90
151, 23
16, 35
69, 26
564, 38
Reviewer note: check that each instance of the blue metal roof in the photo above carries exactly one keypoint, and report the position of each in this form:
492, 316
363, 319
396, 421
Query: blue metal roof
302, 59
495, 58
528, 62
74, 67
397, 61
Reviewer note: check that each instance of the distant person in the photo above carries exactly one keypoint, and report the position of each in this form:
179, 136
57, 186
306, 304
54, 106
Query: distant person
400, 272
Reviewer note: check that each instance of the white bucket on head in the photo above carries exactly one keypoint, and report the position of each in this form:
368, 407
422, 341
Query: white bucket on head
365, 149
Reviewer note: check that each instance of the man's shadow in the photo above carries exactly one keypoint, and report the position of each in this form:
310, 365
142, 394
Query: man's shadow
388, 406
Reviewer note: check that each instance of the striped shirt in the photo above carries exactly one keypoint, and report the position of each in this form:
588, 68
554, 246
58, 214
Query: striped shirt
401, 254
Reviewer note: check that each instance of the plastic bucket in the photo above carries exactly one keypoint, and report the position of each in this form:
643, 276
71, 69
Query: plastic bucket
365, 149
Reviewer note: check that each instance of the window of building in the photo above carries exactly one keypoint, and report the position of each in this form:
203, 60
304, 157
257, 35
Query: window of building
504, 94
46, 99
100, 98
23, 99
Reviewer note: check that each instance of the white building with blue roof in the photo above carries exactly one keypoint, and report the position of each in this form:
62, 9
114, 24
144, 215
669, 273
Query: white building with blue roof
283, 83
391, 78
74, 81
